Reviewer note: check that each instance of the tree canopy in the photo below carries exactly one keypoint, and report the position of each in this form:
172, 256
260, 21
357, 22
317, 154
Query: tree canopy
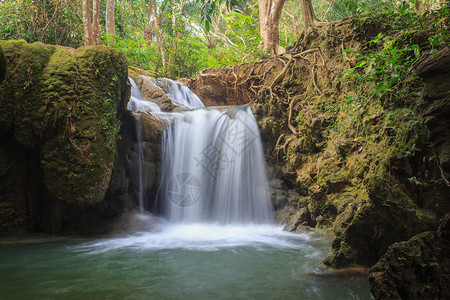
177, 38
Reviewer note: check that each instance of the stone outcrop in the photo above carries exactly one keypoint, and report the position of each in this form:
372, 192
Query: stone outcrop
420, 268
435, 71
61, 111
415, 269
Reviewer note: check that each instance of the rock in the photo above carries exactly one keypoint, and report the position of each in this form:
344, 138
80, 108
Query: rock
344, 146
152, 92
415, 269
363, 232
278, 194
135, 73
60, 116
435, 99
294, 219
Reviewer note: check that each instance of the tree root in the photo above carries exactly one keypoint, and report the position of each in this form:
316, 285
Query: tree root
283, 72
442, 174
313, 75
292, 128
278, 147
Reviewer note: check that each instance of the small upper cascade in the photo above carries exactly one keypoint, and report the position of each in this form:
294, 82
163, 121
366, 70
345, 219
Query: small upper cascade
165, 91
137, 103
180, 93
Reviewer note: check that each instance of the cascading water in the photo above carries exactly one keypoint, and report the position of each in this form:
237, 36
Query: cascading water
212, 162
179, 93
137, 103
213, 168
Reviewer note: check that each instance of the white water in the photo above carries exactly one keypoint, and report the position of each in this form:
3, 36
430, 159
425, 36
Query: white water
213, 191
137, 103
204, 237
212, 165
213, 169
179, 93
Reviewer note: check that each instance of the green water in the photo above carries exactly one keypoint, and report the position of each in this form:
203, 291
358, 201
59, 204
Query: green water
187, 263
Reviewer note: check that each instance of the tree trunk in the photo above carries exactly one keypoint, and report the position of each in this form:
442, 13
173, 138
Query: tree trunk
87, 22
96, 22
110, 23
159, 38
309, 18
269, 20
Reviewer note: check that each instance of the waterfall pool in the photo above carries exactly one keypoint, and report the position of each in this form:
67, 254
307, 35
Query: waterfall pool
196, 261
219, 240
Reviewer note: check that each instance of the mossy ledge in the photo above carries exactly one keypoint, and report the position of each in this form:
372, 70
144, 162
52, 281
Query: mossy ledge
61, 111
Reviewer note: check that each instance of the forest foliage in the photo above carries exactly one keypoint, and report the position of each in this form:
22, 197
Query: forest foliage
232, 36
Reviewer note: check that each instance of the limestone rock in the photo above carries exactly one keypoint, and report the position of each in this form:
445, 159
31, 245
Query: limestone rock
364, 231
60, 116
436, 104
415, 269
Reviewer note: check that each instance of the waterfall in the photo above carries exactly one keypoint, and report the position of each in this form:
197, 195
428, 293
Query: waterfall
212, 164
180, 93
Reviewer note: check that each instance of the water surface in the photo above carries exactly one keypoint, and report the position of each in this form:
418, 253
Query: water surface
194, 261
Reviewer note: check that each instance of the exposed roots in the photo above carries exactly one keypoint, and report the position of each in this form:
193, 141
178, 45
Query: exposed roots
279, 147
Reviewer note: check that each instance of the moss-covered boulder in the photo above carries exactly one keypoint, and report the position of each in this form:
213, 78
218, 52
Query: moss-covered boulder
363, 235
60, 111
82, 90
415, 269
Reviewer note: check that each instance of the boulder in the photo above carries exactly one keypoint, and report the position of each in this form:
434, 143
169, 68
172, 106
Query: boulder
60, 117
415, 269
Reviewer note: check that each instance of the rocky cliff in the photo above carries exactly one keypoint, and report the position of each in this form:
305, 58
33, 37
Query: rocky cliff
435, 71
420, 268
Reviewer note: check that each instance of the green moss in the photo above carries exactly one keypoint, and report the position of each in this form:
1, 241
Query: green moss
13, 205
356, 138
83, 93
65, 103
2, 65
134, 73
20, 104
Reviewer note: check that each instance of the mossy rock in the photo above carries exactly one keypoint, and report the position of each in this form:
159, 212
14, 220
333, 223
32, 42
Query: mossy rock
386, 216
64, 105
83, 92
134, 73
415, 269
20, 108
